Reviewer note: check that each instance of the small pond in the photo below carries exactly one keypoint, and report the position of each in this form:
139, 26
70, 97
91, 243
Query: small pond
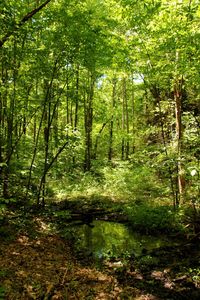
103, 239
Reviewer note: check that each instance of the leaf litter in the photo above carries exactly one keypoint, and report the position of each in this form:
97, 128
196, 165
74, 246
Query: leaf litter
40, 264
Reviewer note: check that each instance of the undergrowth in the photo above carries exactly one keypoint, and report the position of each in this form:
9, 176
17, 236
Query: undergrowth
151, 219
121, 181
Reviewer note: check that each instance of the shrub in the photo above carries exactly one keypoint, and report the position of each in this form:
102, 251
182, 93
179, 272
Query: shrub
148, 218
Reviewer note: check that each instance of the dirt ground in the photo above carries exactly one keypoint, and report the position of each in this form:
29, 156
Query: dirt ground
44, 268
43, 265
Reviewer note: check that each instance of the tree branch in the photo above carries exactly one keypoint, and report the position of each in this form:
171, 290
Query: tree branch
27, 17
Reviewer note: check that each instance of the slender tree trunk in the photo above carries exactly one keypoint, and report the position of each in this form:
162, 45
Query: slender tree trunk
76, 106
46, 152
123, 143
174, 194
10, 125
1, 132
3, 104
127, 119
37, 136
55, 128
76, 98
5, 140
40, 127
53, 160
71, 115
157, 96
3, 166
97, 139
88, 107
49, 117
133, 114
110, 150
123, 140
178, 114
67, 97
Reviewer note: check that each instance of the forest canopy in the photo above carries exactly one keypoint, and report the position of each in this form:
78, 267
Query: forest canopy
88, 87
100, 149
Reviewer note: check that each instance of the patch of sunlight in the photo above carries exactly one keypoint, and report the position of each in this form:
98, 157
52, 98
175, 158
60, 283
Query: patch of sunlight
43, 226
23, 239
16, 253
21, 273
61, 195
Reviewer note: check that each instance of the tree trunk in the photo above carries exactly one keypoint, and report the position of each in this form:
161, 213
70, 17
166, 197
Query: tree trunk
97, 139
110, 150
67, 98
88, 113
76, 98
125, 123
10, 125
133, 114
127, 120
42, 186
178, 115
48, 90
76, 106
156, 93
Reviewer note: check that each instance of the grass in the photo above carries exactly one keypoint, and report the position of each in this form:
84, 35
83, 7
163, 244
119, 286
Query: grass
134, 187
121, 183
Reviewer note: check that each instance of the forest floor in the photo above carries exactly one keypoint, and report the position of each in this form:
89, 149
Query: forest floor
36, 262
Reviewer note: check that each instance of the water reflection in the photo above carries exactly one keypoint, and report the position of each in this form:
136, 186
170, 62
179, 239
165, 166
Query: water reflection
102, 239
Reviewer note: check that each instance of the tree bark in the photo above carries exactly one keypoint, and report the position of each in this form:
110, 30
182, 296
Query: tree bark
178, 115
127, 120
76, 98
110, 150
88, 113
133, 114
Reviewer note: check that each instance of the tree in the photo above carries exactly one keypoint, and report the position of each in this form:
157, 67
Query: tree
163, 34
97, 81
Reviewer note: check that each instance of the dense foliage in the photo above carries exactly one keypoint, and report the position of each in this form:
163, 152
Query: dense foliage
99, 149
100, 97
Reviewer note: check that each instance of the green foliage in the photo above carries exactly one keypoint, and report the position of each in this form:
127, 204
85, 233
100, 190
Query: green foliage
62, 215
3, 209
2, 292
125, 59
123, 181
131, 181
195, 273
148, 261
151, 219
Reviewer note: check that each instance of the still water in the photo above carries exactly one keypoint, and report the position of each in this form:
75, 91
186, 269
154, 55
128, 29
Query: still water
102, 239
